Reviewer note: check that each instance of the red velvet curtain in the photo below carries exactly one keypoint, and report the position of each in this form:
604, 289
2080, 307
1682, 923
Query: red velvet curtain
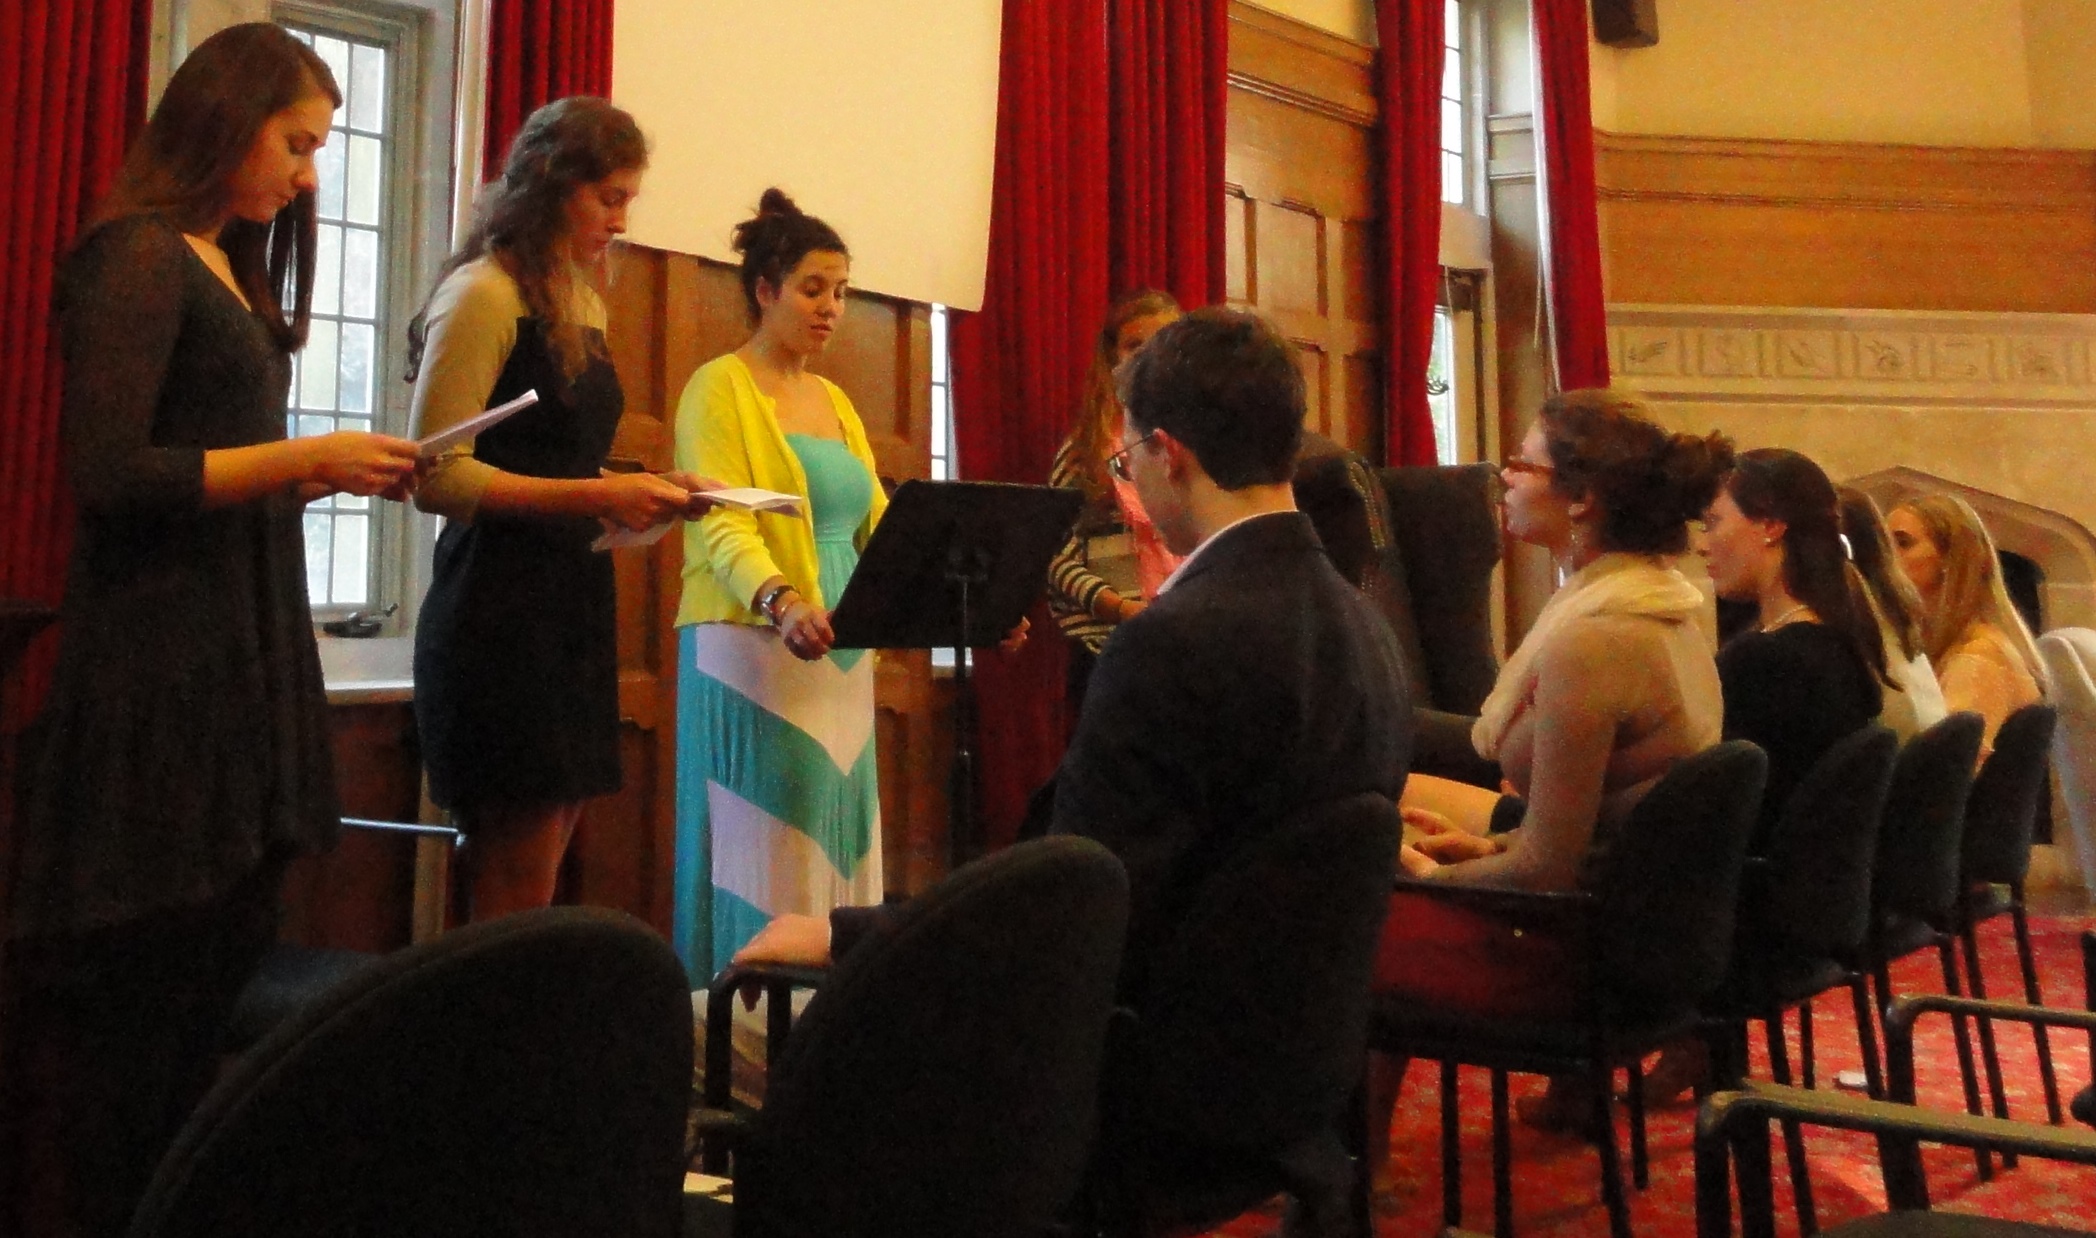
1578, 313
539, 51
1408, 89
1019, 363
1167, 105
72, 95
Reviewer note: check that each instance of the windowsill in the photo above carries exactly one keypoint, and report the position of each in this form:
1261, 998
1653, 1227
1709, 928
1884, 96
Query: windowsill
371, 671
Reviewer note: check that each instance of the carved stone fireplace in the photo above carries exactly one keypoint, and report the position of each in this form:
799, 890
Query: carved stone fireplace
1999, 409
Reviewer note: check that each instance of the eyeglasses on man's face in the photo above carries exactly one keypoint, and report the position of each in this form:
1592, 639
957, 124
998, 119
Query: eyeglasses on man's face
1117, 463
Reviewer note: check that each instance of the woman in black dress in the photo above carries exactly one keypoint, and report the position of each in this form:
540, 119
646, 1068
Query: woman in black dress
516, 675
183, 757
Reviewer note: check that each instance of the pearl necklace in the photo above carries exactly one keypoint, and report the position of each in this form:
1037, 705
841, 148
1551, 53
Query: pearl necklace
1779, 620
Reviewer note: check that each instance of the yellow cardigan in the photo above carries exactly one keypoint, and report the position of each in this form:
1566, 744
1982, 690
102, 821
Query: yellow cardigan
729, 431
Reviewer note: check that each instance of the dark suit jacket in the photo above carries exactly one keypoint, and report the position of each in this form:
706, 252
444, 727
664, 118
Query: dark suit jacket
1259, 684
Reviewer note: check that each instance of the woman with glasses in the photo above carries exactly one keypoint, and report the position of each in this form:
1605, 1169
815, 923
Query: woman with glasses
1114, 558
1613, 684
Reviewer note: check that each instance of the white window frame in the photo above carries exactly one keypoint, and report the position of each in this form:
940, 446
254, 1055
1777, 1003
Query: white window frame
421, 36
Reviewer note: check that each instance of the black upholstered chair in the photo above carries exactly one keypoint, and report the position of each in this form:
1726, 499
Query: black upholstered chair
2000, 822
942, 1080
1915, 880
530, 1076
1232, 1083
1734, 1127
1803, 917
1422, 543
1671, 874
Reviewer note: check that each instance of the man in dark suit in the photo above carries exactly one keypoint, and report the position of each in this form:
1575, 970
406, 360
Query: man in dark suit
1257, 683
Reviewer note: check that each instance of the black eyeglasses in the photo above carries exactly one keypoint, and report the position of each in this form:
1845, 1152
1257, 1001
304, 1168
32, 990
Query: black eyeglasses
1117, 463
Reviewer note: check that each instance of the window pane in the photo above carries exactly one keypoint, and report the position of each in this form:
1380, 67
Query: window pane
359, 273
349, 502
362, 185
938, 343
318, 556
352, 546
1451, 127
316, 387
367, 88
1452, 76
327, 271
1440, 386
1452, 186
1453, 19
356, 367
327, 165
336, 53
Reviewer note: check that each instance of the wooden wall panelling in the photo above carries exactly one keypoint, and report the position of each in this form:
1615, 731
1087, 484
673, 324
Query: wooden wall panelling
359, 895
1843, 225
1300, 218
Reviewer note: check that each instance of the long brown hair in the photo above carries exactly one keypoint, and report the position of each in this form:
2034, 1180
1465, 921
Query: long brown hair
1775, 483
520, 217
1870, 549
1091, 438
181, 168
1972, 590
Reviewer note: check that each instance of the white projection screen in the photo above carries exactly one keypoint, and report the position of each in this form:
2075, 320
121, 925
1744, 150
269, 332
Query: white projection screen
878, 115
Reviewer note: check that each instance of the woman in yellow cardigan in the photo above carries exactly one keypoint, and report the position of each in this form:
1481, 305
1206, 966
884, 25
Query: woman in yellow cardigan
778, 807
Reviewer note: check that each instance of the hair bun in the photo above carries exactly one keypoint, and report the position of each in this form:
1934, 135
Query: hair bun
1694, 467
776, 202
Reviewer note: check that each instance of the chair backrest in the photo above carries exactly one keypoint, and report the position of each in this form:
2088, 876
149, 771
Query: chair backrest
1448, 537
943, 1079
529, 1076
1255, 1019
1671, 874
1816, 897
1916, 873
2001, 812
2069, 655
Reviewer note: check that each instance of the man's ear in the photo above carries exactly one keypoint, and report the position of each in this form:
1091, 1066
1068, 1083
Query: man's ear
1178, 457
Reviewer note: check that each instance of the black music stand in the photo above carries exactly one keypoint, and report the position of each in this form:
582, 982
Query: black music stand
955, 565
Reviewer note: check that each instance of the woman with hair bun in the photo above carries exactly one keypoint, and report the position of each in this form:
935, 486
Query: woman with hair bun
1917, 703
777, 804
516, 649
1980, 645
1611, 687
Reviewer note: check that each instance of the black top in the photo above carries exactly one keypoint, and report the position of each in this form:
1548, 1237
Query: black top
1794, 692
516, 648
185, 738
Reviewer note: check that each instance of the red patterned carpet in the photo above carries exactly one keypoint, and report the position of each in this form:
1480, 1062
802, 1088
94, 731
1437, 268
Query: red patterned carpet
1556, 1179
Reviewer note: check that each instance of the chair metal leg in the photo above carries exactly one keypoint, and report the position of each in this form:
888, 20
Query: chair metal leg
2021, 923
1640, 1161
1962, 1036
1502, 1160
1867, 1036
1805, 1044
1603, 1127
1793, 1134
1452, 1148
1990, 1058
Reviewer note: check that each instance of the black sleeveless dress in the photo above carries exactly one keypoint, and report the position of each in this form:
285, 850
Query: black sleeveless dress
516, 648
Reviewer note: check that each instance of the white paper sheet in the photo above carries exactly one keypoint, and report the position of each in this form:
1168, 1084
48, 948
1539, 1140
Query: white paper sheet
442, 440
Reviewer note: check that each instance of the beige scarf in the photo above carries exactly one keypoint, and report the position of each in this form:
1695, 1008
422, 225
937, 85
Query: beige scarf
1614, 584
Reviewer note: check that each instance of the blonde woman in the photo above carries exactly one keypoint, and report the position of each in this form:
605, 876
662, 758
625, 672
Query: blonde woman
1983, 653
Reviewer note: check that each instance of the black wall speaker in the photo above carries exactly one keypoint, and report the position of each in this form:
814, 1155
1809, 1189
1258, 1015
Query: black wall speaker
1627, 23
